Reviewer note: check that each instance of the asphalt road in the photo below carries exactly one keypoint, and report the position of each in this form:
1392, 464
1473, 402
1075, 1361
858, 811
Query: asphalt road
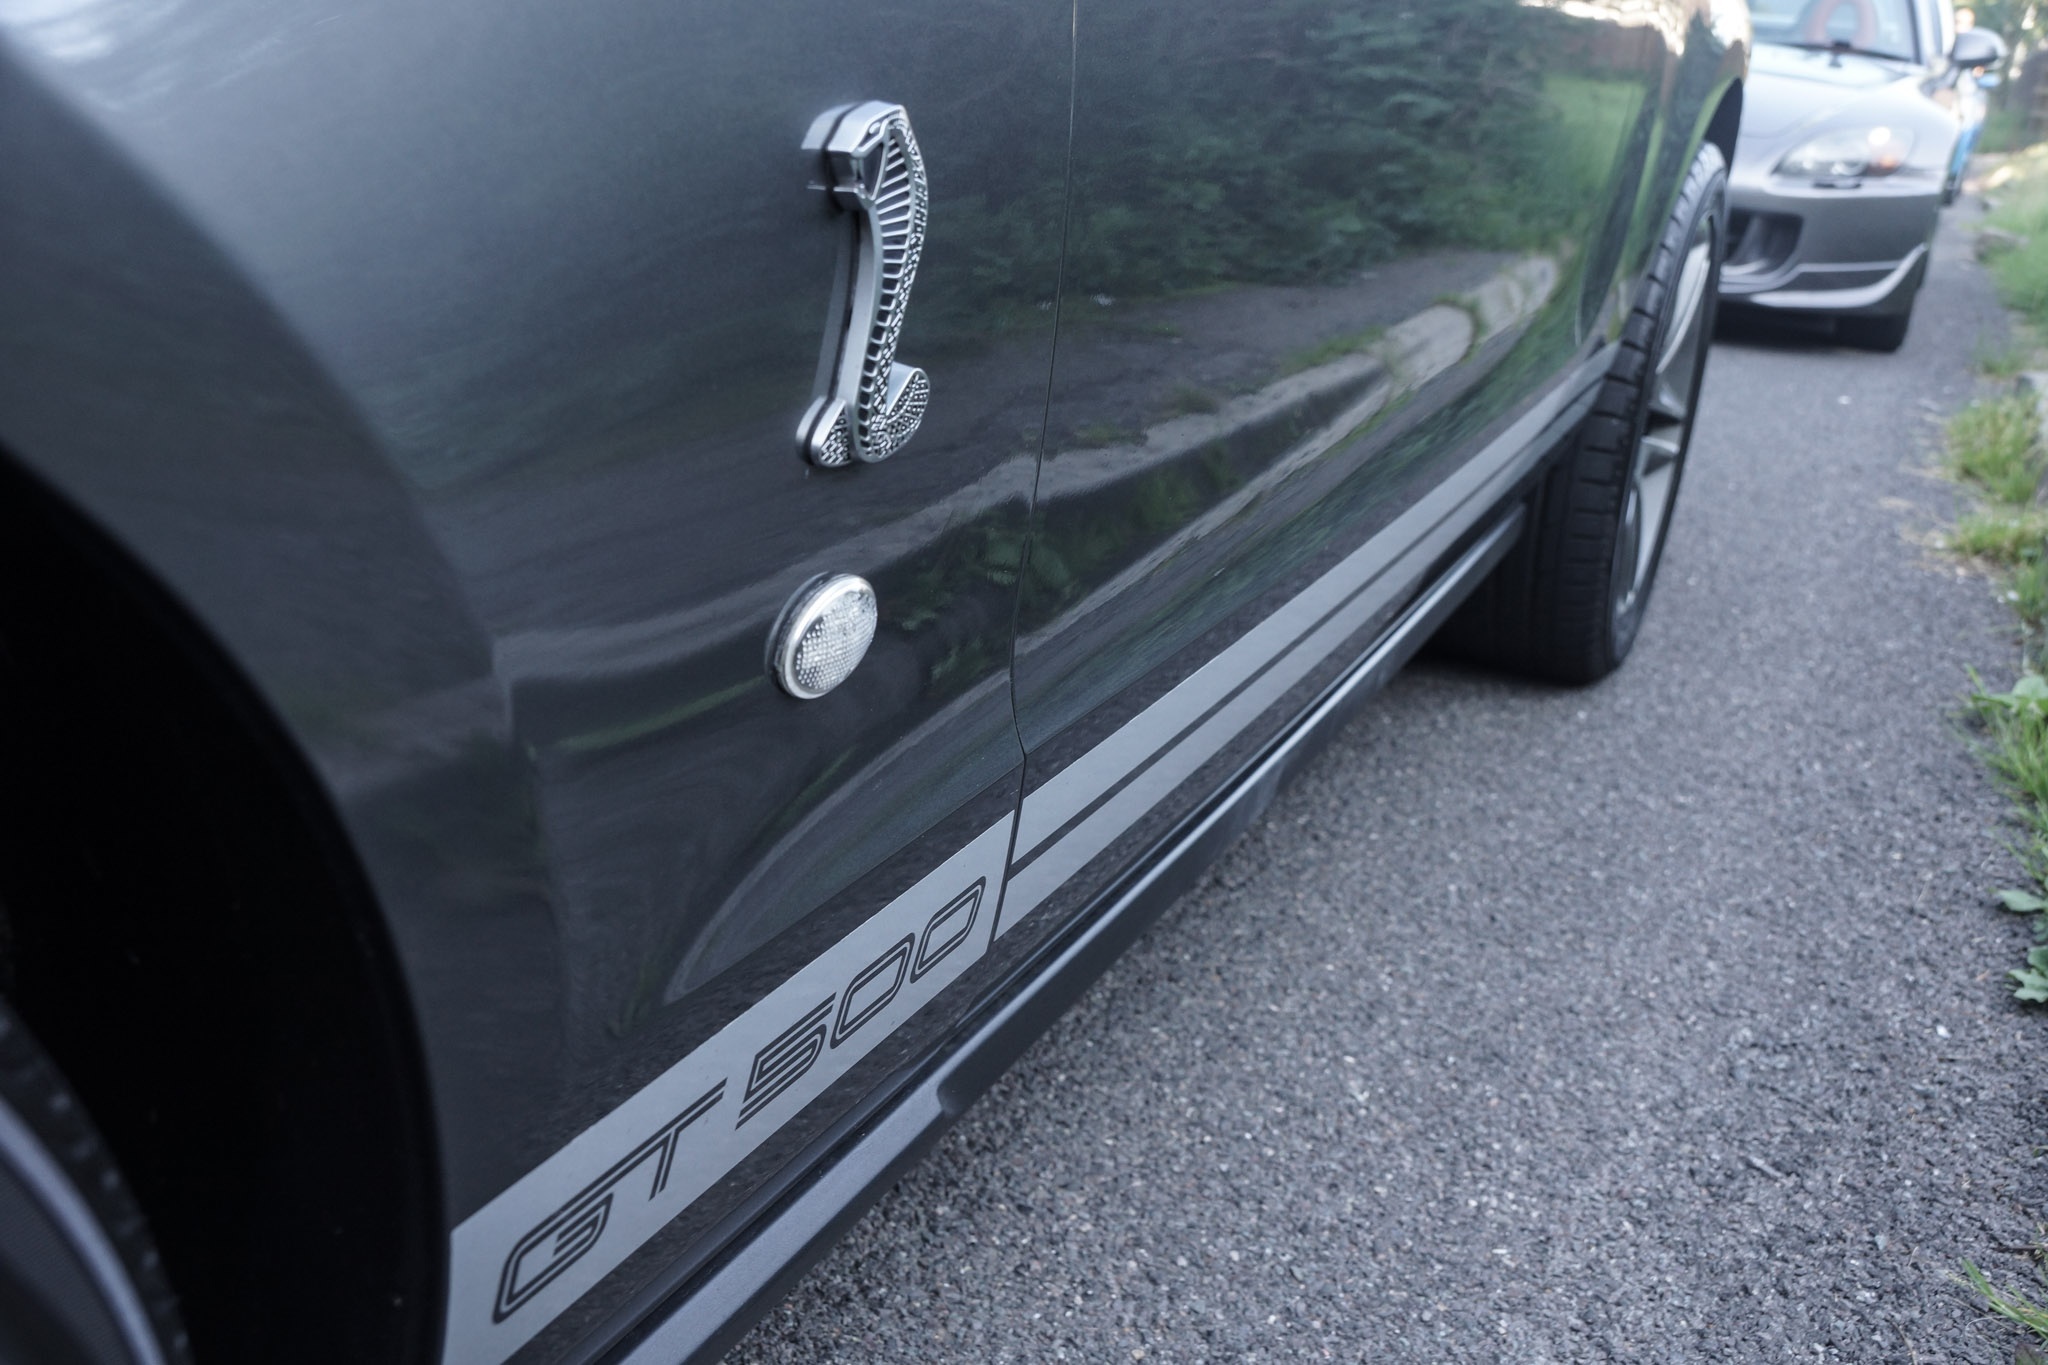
1658, 1021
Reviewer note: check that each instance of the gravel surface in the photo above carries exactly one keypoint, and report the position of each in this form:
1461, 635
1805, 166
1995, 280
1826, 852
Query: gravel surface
1662, 1020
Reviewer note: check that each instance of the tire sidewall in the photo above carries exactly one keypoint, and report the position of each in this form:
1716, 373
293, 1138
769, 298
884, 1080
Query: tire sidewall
1705, 196
53, 1154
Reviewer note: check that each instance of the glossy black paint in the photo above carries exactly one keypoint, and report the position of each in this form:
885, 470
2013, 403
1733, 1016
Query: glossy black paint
445, 367
1262, 199
844, 1177
529, 482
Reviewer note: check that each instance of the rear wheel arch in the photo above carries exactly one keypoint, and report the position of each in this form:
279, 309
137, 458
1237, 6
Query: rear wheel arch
184, 927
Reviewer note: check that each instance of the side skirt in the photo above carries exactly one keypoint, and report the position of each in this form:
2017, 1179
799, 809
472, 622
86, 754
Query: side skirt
700, 1322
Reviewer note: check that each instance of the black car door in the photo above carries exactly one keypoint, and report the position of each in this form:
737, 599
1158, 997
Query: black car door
1331, 267
487, 411
599, 342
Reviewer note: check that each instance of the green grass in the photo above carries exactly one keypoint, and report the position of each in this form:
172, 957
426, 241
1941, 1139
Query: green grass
2002, 362
2022, 277
2019, 188
2005, 130
1996, 445
2015, 725
2002, 535
2009, 1304
2027, 590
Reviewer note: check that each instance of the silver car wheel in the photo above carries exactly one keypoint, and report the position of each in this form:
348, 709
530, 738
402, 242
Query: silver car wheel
1674, 386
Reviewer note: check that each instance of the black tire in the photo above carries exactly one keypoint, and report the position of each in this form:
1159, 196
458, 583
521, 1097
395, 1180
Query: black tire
80, 1282
1874, 334
1554, 609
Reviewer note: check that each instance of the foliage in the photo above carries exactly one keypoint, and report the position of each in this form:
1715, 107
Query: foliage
2019, 192
1293, 142
2028, 591
2003, 362
2023, 24
2016, 733
2017, 21
2005, 129
2017, 542
2022, 275
2009, 1304
1336, 348
2002, 536
2017, 724
1996, 445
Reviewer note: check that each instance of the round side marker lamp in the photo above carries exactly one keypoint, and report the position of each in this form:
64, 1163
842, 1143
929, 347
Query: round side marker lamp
822, 635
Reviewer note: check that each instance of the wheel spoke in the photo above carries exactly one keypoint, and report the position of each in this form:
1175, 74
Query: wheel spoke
1667, 403
1653, 476
1655, 489
1659, 451
1628, 550
1671, 393
1691, 293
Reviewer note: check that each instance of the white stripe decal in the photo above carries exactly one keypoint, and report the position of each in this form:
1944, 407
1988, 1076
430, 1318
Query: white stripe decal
1344, 600
540, 1245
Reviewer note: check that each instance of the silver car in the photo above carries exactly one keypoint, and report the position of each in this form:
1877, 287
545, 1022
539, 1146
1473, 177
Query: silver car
1849, 127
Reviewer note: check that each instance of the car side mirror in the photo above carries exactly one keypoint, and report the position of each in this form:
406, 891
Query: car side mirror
1976, 48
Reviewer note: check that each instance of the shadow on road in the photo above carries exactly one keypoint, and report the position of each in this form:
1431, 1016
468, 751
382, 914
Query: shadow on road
1774, 331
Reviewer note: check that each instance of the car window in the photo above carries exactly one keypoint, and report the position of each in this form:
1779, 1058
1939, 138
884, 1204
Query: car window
1881, 27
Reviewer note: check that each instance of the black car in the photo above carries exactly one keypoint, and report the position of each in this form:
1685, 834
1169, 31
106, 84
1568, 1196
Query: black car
609, 606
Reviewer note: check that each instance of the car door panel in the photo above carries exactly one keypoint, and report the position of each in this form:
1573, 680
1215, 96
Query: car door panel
567, 275
631, 1189
1328, 265
449, 367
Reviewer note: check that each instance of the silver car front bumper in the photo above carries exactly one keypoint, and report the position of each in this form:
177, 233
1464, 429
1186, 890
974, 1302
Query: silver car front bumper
1802, 248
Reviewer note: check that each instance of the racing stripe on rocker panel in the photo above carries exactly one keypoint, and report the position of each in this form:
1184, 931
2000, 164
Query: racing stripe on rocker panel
1211, 706
536, 1248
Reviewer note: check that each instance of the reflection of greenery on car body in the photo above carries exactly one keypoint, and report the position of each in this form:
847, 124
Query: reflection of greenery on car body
1331, 137
1328, 138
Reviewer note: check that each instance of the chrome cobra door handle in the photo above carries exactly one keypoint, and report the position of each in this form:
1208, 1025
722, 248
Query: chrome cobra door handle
873, 169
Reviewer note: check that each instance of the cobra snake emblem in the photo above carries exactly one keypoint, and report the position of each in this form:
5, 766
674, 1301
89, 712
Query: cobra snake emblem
874, 171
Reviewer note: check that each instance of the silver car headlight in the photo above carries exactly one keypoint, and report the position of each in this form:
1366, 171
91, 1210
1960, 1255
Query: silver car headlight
1849, 154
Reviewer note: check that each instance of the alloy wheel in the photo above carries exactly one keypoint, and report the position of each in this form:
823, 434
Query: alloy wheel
1673, 390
